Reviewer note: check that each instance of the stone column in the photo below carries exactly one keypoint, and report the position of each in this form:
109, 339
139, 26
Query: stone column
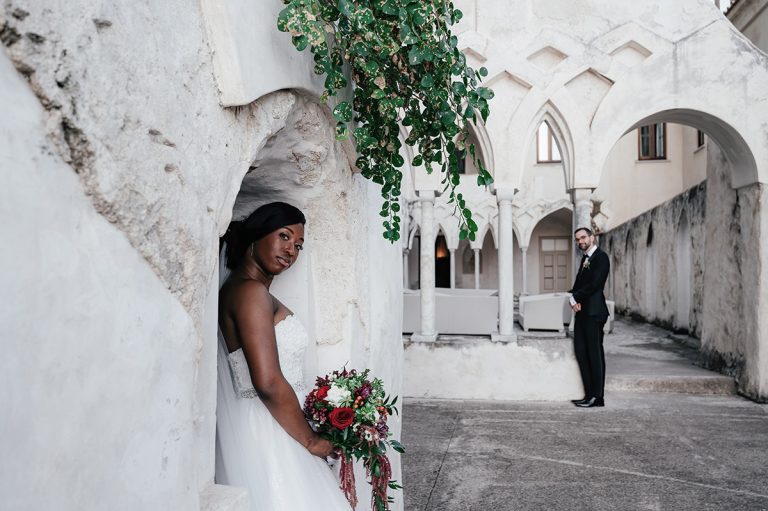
406, 270
427, 265
506, 332
582, 207
582, 217
524, 251
453, 267
477, 267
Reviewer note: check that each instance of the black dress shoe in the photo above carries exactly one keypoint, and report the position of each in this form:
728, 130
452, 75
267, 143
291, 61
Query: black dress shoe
591, 402
582, 400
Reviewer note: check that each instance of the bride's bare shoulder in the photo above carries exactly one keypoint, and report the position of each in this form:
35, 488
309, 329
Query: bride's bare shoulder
245, 295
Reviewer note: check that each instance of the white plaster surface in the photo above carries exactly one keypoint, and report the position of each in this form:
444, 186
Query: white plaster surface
100, 357
147, 166
524, 370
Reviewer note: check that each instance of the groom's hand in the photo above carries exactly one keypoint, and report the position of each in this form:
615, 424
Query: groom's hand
576, 307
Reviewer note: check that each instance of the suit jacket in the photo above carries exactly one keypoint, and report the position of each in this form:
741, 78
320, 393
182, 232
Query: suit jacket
590, 282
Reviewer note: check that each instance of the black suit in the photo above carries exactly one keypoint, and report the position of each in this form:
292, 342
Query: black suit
588, 326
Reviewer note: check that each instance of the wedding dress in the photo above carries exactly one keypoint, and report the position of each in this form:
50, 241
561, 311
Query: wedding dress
253, 451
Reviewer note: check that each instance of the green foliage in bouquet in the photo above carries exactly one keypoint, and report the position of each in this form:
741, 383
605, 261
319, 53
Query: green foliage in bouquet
351, 412
407, 69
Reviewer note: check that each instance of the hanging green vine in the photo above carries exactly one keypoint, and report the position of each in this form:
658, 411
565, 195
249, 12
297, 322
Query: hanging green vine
407, 69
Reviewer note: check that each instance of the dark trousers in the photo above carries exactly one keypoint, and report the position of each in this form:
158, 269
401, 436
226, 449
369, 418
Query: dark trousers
588, 345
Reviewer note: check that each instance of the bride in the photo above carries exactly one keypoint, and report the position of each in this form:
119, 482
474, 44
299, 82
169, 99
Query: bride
263, 442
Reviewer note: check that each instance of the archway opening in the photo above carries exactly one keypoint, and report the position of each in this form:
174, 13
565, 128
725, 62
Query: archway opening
442, 262
687, 178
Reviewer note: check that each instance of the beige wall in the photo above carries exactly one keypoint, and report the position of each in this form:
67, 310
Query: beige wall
630, 187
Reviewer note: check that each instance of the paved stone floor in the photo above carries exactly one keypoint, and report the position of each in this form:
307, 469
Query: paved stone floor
661, 450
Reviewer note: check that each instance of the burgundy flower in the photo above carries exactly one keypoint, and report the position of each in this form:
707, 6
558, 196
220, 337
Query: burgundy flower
341, 418
364, 391
322, 392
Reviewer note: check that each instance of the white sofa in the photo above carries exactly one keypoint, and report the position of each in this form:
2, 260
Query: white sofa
457, 311
544, 312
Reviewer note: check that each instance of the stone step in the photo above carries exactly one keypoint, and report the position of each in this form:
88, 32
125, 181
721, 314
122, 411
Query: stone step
703, 385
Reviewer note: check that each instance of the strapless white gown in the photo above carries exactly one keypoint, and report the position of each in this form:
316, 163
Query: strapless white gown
253, 451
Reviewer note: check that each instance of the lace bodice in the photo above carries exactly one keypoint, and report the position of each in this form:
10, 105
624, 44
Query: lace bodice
292, 340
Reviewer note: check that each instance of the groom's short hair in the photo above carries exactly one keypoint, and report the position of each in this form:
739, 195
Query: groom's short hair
585, 229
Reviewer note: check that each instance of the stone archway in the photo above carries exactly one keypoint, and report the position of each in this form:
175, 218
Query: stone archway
300, 163
351, 312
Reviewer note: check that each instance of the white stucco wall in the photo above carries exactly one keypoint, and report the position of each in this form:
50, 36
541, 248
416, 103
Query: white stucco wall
120, 170
525, 370
101, 360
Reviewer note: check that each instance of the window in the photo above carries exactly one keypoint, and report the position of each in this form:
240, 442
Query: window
699, 138
546, 147
652, 142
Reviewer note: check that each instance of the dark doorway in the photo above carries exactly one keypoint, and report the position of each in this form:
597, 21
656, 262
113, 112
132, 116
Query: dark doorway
442, 263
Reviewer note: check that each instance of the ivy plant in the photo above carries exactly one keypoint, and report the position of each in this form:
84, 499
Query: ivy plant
406, 70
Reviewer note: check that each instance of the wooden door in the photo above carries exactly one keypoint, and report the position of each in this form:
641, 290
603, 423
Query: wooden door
554, 267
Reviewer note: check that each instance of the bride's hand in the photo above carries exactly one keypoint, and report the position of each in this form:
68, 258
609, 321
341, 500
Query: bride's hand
322, 448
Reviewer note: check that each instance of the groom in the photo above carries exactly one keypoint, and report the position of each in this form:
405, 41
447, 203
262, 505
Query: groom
588, 302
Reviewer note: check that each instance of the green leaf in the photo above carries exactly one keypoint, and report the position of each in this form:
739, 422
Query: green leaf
415, 56
378, 94
300, 42
485, 93
448, 118
459, 88
371, 67
342, 132
409, 72
343, 112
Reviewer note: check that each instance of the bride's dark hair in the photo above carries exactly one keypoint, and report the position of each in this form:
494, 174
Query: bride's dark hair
267, 218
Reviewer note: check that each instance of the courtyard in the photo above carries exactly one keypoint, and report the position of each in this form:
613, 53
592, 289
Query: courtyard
675, 437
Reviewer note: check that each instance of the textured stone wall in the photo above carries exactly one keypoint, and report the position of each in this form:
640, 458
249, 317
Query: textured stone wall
120, 170
726, 273
628, 248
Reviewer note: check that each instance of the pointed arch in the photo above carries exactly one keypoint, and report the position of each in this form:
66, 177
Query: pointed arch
549, 113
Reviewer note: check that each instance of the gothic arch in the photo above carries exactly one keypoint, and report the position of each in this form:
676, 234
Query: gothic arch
561, 132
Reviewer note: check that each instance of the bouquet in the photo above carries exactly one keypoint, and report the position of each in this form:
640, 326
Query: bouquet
351, 411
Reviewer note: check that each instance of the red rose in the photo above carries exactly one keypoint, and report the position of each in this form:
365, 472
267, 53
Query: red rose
342, 417
322, 392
